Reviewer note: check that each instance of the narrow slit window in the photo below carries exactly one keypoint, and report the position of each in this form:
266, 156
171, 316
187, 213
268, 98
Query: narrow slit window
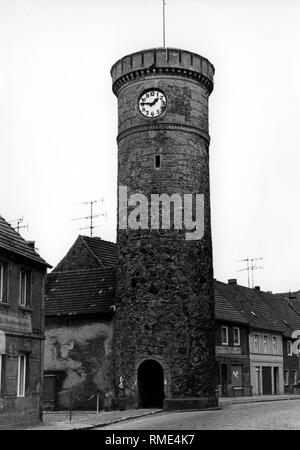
157, 161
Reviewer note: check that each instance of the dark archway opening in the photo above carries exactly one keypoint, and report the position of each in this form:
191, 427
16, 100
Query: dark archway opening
151, 384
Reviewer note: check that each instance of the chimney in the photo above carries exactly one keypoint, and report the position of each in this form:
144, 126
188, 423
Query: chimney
232, 281
31, 244
257, 288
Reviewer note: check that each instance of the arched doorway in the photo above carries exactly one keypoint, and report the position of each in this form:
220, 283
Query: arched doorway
151, 384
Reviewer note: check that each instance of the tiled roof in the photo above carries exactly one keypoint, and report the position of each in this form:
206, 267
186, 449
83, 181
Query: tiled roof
225, 310
12, 241
105, 251
78, 292
258, 309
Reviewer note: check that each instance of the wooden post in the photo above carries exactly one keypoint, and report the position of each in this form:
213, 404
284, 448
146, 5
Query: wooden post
98, 398
71, 401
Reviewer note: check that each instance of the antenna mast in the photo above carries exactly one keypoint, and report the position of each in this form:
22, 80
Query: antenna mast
91, 217
16, 224
251, 267
164, 23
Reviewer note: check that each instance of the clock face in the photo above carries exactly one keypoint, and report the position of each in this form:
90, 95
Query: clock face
152, 103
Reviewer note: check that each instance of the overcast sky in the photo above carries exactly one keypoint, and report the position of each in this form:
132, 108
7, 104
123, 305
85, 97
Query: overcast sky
58, 120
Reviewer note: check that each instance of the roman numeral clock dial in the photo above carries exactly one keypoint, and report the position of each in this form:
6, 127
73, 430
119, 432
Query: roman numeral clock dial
152, 103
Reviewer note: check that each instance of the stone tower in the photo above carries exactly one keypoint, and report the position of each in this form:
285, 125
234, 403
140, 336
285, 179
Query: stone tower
164, 322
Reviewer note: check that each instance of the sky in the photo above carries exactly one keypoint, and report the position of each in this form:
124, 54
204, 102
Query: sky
58, 121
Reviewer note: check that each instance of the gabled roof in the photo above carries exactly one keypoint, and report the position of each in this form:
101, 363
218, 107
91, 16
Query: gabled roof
260, 310
79, 292
105, 251
12, 241
224, 309
88, 253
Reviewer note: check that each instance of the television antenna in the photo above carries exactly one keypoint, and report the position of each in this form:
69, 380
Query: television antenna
17, 224
250, 268
92, 215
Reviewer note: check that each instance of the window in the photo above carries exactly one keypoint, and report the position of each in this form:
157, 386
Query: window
157, 161
22, 369
236, 336
289, 348
295, 377
22, 363
25, 288
275, 344
3, 282
265, 343
286, 377
256, 342
224, 335
2, 362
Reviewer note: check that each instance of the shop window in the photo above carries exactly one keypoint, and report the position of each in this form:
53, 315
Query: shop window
295, 376
22, 375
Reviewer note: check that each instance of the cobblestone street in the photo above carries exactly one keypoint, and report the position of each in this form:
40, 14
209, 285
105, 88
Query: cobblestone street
275, 415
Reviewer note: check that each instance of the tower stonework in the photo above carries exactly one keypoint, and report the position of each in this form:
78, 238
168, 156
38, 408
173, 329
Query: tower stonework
164, 322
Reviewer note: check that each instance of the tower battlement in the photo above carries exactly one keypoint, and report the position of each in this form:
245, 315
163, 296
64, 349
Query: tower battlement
160, 61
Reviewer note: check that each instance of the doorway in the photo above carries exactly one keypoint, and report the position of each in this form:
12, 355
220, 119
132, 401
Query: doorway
267, 380
151, 384
276, 380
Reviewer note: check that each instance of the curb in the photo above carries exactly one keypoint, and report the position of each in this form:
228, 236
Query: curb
263, 400
117, 420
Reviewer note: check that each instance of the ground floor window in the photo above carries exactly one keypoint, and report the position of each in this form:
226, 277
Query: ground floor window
22, 372
295, 376
286, 377
2, 363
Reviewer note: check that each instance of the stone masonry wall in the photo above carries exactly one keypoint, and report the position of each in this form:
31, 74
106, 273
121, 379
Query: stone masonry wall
164, 306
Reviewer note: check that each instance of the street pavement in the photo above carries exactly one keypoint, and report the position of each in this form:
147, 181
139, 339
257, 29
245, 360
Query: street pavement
265, 412
271, 415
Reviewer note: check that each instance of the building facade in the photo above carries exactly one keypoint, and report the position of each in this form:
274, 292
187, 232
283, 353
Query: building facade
266, 362
233, 361
80, 294
22, 278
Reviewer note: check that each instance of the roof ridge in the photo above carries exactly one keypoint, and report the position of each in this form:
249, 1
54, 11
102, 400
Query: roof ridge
96, 237
15, 240
90, 250
81, 270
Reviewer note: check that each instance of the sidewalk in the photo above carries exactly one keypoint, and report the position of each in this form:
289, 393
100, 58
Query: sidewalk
256, 398
87, 420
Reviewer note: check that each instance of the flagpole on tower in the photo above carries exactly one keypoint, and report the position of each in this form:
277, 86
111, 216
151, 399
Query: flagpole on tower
164, 23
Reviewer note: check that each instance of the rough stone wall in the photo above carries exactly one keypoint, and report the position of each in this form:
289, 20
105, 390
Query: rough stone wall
79, 352
164, 305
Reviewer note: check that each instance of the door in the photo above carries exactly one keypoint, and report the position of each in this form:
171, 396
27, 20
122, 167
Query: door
49, 391
267, 380
276, 380
224, 379
237, 375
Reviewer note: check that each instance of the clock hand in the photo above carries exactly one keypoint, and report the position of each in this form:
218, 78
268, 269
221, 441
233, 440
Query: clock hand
150, 103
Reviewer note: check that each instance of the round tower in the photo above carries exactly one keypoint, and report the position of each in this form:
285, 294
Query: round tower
164, 322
